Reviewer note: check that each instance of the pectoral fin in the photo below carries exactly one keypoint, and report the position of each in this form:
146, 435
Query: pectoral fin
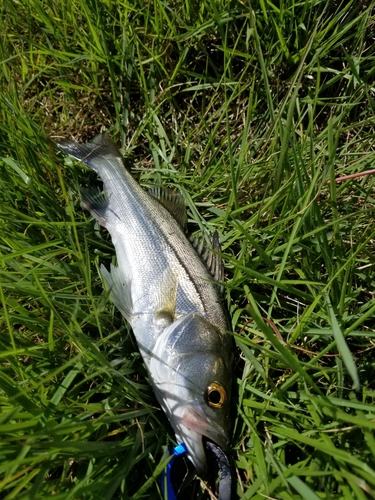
166, 301
120, 289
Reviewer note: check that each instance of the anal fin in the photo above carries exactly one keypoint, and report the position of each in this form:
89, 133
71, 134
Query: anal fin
96, 202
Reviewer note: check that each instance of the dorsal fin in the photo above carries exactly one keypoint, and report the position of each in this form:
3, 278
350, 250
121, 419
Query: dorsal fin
211, 257
173, 201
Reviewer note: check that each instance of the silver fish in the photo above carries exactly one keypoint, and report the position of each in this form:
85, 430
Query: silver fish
166, 293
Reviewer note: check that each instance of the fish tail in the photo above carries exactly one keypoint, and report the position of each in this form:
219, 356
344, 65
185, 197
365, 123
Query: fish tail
101, 145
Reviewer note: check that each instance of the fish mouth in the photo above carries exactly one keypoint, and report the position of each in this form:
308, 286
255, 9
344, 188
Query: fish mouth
195, 429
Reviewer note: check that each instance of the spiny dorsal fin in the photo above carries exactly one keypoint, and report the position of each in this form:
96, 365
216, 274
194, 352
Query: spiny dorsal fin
211, 257
173, 201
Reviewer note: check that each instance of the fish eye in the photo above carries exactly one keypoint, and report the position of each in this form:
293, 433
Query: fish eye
215, 395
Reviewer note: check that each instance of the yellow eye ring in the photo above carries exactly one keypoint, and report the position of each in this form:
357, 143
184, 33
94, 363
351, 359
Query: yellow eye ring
215, 395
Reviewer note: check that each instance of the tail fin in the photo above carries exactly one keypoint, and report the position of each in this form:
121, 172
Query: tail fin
101, 145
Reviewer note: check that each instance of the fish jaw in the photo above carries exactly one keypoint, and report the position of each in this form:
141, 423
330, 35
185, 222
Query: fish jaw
191, 426
194, 426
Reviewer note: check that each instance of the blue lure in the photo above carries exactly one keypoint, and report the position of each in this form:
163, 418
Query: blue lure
225, 476
166, 482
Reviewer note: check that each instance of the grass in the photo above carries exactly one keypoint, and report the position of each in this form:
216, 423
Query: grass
252, 109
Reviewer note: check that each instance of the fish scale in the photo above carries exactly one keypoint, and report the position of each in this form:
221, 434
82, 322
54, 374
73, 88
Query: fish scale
167, 294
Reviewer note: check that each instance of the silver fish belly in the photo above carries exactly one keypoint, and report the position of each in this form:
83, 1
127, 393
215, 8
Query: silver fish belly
166, 293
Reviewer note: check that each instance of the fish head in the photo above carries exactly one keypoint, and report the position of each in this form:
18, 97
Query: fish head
191, 372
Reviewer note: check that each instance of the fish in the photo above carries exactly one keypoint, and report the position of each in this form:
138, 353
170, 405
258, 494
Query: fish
164, 289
